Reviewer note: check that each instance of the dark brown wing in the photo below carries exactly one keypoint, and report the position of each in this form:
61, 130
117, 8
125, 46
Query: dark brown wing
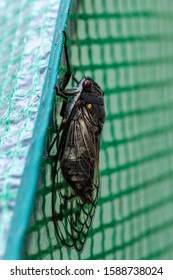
76, 178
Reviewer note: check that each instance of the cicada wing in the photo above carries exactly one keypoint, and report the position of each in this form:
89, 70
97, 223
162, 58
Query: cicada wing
76, 180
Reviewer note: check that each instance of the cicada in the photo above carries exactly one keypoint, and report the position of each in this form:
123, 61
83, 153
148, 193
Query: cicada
76, 163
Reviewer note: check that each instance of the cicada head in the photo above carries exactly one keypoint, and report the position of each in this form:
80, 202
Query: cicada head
93, 97
91, 87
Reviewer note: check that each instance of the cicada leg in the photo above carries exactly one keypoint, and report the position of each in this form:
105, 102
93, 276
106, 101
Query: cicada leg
64, 93
67, 75
74, 77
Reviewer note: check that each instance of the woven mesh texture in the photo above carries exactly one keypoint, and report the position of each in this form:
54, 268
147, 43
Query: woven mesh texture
126, 46
26, 29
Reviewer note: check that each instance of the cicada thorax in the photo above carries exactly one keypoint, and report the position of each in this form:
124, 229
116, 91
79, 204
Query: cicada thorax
80, 153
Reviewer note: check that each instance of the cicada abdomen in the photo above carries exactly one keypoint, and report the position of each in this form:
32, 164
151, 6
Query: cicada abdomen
76, 168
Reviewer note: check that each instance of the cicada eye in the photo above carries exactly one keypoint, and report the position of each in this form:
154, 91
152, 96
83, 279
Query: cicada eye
86, 84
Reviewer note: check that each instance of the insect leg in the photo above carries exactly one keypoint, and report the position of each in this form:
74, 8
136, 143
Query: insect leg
67, 75
74, 78
65, 101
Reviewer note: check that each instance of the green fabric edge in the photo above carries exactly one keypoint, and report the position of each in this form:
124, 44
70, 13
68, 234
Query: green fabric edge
25, 197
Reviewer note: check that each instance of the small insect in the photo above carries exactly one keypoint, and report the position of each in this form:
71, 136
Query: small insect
76, 163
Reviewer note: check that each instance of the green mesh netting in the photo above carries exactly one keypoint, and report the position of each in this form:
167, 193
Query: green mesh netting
126, 46
26, 29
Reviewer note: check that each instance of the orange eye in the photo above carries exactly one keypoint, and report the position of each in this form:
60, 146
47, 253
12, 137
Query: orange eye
87, 84
89, 106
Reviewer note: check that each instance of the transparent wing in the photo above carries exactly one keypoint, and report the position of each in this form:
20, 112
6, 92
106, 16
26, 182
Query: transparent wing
76, 179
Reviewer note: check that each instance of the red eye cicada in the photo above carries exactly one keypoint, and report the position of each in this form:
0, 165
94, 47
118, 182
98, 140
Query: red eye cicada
76, 163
